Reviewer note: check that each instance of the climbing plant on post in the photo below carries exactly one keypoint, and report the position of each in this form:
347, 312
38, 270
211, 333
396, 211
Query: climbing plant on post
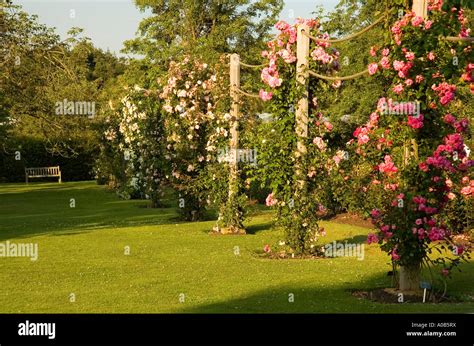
302, 68
231, 211
283, 154
415, 142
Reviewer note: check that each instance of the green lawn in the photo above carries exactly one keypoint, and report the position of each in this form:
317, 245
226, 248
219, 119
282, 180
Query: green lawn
81, 251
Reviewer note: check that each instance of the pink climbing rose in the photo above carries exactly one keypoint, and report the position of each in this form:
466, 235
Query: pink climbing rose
372, 238
270, 201
415, 122
387, 167
398, 89
395, 255
264, 95
373, 68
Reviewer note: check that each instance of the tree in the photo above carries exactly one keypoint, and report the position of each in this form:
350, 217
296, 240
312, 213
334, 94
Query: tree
204, 28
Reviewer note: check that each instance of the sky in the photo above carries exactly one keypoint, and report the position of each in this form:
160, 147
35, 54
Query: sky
111, 22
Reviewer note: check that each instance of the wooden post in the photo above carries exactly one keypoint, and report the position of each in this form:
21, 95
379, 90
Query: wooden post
235, 226
420, 7
409, 278
302, 74
234, 130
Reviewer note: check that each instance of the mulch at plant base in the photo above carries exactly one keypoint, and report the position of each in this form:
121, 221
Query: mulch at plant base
351, 219
391, 296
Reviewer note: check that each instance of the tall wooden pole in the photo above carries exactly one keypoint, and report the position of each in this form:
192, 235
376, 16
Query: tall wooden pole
234, 130
420, 7
410, 274
302, 75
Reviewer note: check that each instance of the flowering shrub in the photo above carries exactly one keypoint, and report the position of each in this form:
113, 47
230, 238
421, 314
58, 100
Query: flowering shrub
136, 130
173, 136
420, 158
195, 130
299, 197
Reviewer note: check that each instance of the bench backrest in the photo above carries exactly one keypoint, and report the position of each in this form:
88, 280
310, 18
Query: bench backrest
43, 172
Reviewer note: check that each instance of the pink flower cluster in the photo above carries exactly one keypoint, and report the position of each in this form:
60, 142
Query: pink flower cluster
288, 30
387, 167
402, 67
445, 91
453, 147
372, 238
324, 125
362, 133
435, 5
373, 68
468, 76
465, 30
320, 54
414, 20
467, 190
270, 201
270, 75
319, 142
264, 95
395, 255
340, 155
459, 125
436, 233
415, 122
421, 206
312, 23
283, 47
375, 214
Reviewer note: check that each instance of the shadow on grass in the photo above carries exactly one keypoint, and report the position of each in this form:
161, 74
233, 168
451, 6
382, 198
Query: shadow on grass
358, 239
46, 210
338, 298
253, 229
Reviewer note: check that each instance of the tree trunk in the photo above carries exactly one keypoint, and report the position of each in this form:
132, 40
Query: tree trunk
410, 277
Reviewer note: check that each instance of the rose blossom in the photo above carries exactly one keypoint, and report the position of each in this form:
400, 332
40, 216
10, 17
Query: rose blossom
417, 21
385, 63
265, 96
373, 68
372, 238
270, 201
387, 166
398, 89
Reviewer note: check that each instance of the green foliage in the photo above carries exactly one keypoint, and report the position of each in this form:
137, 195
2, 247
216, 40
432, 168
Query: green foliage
207, 28
33, 152
37, 72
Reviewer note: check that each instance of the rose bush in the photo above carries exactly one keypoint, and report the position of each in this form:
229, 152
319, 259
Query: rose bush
301, 195
420, 160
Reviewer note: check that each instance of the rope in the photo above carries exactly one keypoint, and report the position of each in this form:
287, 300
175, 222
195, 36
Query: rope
252, 66
246, 94
347, 37
338, 78
455, 39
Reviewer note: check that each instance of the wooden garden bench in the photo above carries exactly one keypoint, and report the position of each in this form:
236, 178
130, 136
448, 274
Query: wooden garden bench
43, 172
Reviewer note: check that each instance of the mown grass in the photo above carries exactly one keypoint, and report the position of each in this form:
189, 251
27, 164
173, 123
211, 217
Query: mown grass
81, 251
